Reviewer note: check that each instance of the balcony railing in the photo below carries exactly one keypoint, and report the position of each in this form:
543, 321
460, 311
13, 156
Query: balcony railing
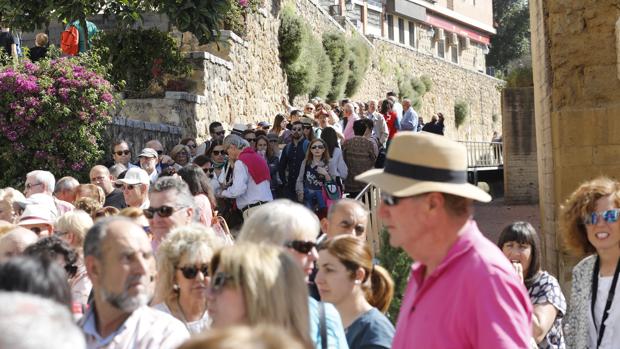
484, 155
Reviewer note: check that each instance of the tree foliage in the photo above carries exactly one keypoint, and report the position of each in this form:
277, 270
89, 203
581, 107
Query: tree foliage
414, 88
461, 112
200, 17
513, 32
336, 48
359, 58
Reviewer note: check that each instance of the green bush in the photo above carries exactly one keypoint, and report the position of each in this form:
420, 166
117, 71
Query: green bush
359, 59
398, 264
520, 77
324, 69
290, 35
461, 111
413, 88
140, 57
335, 45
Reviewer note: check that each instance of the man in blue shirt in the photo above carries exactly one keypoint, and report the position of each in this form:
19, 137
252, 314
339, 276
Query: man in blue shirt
410, 117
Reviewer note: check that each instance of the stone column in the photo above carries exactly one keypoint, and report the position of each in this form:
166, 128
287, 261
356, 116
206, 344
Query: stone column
577, 106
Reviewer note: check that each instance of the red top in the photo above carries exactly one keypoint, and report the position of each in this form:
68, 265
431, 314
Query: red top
256, 164
392, 123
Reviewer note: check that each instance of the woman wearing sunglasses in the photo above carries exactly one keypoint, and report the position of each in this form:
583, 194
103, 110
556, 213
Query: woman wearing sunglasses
591, 228
362, 292
315, 172
181, 155
519, 242
293, 227
256, 284
191, 143
183, 270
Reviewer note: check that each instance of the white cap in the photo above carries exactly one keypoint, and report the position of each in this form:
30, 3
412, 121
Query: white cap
135, 175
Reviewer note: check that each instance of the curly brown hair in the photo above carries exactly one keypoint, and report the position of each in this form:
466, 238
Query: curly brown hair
580, 203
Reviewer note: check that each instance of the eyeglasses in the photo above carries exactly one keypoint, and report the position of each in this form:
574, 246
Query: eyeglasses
296, 129
218, 152
300, 246
318, 146
29, 186
251, 139
219, 281
192, 146
221, 133
129, 187
390, 200
122, 152
162, 211
307, 127
190, 272
609, 216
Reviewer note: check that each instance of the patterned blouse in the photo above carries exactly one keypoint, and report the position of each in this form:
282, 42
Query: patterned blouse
546, 289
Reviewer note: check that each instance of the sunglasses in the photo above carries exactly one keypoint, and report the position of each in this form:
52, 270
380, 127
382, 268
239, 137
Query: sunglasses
609, 216
296, 129
122, 152
162, 211
192, 146
307, 127
71, 270
221, 133
303, 247
128, 187
190, 272
390, 200
218, 152
317, 147
251, 139
219, 281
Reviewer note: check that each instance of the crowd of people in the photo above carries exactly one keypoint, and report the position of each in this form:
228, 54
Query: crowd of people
255, 239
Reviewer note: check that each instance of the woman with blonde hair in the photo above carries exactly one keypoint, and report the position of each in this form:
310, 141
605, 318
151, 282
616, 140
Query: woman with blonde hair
361, 291
9, 196
590, 228
181, 154
90, 191
246, 337
72, 228
183, 275
293, 227
255, 284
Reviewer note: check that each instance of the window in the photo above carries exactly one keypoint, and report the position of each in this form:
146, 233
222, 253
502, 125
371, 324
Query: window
411, 34
390, 25
455, 53
401, 30
441, 48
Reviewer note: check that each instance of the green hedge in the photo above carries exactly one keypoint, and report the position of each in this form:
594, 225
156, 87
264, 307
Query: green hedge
358, 65
335, 45
140, 57
414, 88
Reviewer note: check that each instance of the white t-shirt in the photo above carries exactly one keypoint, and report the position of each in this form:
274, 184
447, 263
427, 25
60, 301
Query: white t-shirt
194, 327
611, 338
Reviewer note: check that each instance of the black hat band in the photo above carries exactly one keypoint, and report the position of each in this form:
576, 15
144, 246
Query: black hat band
424, 173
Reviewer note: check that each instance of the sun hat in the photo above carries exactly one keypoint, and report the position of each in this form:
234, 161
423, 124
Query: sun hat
418, 163
36, 214
148, 153
238, 129
134, 176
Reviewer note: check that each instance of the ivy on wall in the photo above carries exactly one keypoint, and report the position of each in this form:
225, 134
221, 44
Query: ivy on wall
461, 112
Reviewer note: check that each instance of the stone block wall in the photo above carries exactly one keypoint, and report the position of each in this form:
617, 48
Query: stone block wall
520, 160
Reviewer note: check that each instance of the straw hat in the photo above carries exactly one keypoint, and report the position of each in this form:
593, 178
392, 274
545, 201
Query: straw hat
419, 163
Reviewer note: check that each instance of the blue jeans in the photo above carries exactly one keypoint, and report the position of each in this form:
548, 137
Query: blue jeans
313, 199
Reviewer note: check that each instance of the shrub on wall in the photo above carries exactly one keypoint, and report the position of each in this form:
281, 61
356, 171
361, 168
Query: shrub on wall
290, 35
359, 59
140, 57
324, 69
461, 111
413, 88
52, 117
336, 48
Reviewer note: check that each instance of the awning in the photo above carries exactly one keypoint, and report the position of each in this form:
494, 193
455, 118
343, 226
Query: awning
447, 25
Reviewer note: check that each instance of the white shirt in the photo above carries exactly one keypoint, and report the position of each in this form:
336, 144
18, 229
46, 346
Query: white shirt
244, 189
611, 338
145, 328
338, 162
194, 327
398, 108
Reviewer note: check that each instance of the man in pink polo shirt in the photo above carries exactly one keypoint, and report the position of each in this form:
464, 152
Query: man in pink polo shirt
463, 292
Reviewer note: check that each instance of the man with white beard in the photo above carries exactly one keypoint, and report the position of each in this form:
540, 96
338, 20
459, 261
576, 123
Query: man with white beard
119, 261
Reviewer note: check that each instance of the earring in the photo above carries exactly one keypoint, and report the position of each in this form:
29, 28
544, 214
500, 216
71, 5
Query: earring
176, 287
358, 282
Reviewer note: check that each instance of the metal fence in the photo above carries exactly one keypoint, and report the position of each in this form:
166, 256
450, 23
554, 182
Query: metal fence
484, 154
370, 197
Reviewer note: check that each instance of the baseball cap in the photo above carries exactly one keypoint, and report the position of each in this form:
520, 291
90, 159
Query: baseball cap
135, 175
148, 153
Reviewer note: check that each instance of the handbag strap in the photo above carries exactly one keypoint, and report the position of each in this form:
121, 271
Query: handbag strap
322, 325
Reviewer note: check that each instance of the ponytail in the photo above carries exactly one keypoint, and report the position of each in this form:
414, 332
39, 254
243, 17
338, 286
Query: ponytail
380, 291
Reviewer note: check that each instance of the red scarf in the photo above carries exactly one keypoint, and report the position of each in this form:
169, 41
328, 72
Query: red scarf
256, 164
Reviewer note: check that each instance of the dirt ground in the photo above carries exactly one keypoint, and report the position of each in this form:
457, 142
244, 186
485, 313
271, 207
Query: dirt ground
494, 216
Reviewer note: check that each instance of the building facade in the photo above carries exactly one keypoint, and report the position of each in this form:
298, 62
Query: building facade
457, 31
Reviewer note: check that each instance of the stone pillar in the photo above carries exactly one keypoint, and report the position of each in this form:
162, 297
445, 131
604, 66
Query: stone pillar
577, 95
365, 18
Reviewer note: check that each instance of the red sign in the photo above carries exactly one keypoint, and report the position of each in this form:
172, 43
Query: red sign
455, 28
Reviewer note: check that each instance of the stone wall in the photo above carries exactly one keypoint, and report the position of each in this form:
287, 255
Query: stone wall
576, 95
520, 162
450, 83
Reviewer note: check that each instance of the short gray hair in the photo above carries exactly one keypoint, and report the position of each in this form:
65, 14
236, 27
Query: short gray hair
45, 177
55, 328
343, 202
184, 196
237, 141
66, 183
279, 221
96, 234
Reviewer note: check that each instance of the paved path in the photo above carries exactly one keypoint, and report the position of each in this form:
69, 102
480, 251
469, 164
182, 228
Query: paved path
494, 216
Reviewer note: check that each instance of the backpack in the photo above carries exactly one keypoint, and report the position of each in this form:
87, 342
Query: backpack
69, 41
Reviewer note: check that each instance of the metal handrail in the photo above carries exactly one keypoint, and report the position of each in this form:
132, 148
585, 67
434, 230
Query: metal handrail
370, 197
484, 154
